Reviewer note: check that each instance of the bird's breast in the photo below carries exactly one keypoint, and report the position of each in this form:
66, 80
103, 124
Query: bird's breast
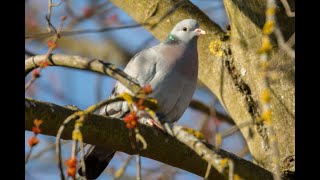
179, 59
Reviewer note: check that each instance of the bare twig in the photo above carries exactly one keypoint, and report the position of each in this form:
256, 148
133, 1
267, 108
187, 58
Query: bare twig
287, 8
195, 104
207, 172
28, 155
69, 9
139, 138
235, 128
77, 138
75, 116
50, 5
231, 169
283, 44
51, 26
83, 166
138, 166
92, 11
46, 149
51, 48
84, 31
33, 140
290, 43
123, 168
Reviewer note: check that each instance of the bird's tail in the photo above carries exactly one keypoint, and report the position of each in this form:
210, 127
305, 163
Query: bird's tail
96, 160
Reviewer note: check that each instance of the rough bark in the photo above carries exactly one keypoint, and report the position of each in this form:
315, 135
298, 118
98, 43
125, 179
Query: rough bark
247, 19
240, 95
112, 133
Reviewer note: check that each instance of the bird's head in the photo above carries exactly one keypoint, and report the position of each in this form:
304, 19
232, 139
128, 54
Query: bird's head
185, 31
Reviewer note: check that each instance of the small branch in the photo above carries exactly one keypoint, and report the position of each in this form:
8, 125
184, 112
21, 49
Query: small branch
138, 166
28, 155
69, 9
84, 31
33, 140
290, 43
207, 172
48, 17
197, 105
83, 166
51, 48
122, 169
235, 128
287, 8
83, 63
231, 169
283, 45
46, 149
51, 26
92, 10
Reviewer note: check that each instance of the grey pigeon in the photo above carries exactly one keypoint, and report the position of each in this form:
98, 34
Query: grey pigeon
171, 68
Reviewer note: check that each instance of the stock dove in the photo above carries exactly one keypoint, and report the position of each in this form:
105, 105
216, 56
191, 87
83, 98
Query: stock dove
171, 68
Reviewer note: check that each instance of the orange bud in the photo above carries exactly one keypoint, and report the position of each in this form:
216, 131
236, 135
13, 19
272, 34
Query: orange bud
71, 172
131, 120
36, 130
52, 44
126, 119
72, 163
133, 123
37, 122
139, 104
44, 64
35, 73
33, 141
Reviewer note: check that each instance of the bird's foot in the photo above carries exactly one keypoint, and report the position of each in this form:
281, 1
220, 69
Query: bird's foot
153, 123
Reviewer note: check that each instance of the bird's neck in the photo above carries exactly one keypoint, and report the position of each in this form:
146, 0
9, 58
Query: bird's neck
172, 39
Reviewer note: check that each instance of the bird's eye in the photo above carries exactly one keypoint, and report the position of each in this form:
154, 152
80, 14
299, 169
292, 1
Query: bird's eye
184, 28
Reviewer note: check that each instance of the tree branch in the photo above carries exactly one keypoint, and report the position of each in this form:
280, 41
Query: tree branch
112, 133
83, 63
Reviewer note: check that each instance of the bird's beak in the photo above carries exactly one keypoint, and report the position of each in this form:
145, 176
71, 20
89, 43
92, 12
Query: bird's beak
199, 32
